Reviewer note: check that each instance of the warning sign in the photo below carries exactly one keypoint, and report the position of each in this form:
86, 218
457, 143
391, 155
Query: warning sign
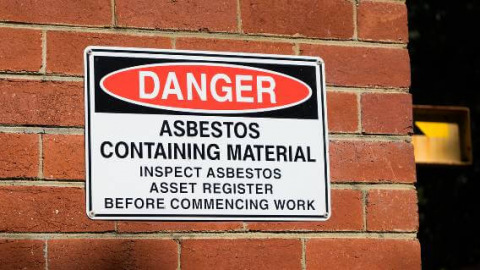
189, 135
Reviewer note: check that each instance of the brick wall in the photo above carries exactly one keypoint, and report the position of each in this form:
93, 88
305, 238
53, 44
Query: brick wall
42, 218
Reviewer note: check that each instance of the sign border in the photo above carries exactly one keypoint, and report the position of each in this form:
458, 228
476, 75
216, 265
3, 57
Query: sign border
92, 51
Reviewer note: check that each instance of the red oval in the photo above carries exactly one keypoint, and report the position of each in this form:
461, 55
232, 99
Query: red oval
242, 89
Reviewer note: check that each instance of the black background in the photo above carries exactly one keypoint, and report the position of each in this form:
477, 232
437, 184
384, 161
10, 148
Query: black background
445, 59
105, 103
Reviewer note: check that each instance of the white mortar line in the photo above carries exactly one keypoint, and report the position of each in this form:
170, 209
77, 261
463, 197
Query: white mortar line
355, 20
335, 186
42, 130
369, 185
80, 131
304, 255
42, 183
364, 205
114, 13
40, 156
179, 254
333, 88
216, 35
45, 254
296, 48
215, 235
239, 17
43, 68
40, 77
79, 78
358, 97
369, 138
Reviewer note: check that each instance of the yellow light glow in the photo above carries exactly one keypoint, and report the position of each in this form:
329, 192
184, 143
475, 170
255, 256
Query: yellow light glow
434, 129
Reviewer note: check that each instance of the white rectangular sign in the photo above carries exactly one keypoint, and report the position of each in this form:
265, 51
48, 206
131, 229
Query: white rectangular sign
190, 135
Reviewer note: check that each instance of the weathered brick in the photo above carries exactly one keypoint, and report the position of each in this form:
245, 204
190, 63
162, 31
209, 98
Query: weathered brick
384, 21
20, 49
347, 215
361, 161
241, 254
392, 210
135, 226
41, 103
315, 18
198, 15
21, 254
85, 12
46, 209
362, 66
112, 254
18, 155
63, 157
232, 45
342, 111
362, 254
65, 49
386, 113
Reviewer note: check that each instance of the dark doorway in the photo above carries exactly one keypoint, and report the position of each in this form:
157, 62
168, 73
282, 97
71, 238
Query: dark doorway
445, 58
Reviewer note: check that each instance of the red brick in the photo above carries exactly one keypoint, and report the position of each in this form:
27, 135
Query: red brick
382, 21
65, 49
347, 215
392, 210
20, 49
21, 254
85, 12
361, 161
132, 226
362, 66
203, 15
369, 254
241, 254
234, 45
63, 157
41, 103
342, 109
46, 209
386, 113
315, 18
18, 155
112, 254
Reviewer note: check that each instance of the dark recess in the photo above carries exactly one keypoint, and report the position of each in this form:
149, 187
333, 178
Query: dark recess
445, 58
